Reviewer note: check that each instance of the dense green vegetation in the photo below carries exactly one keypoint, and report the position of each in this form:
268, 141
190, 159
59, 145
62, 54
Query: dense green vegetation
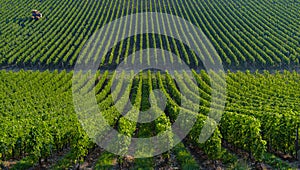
246, 34
38, 117
38, 122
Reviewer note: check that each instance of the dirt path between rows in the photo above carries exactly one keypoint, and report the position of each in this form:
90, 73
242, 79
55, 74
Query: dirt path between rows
232, 69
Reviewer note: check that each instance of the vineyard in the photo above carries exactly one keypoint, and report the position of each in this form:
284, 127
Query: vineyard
39, 121
257, 42
246, 34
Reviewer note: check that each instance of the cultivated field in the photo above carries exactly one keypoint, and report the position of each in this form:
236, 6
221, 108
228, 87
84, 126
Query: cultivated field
245, 33
257, 42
